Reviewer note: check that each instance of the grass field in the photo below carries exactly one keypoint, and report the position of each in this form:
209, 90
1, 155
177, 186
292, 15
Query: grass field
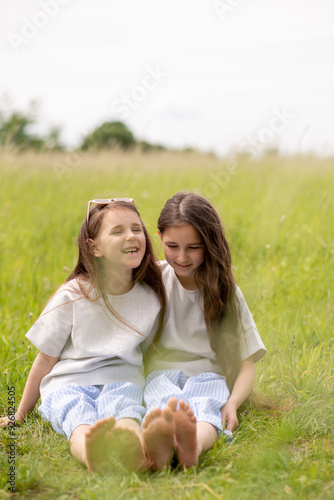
278, 215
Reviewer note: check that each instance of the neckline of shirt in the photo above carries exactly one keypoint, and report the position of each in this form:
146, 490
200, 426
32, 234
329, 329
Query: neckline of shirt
135, 286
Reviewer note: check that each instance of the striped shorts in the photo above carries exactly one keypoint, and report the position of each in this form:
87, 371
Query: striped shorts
206, 393
73, 405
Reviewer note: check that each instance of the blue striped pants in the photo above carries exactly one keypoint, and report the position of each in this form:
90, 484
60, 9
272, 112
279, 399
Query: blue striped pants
73, 405
205, 393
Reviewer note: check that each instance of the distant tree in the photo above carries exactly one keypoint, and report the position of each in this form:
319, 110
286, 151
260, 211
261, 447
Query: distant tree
14, 132
109, 135
52, 140
146, 147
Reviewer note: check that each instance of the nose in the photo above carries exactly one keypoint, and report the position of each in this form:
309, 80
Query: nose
130, 235
182, 256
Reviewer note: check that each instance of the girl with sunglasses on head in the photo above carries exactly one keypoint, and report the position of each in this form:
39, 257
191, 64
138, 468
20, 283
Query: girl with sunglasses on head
203, 368
91, 337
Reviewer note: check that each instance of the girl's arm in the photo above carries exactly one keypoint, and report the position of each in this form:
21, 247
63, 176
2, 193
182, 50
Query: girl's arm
42, 365
241, 389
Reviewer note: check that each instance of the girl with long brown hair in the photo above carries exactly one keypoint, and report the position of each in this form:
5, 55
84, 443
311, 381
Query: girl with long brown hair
92, 336
203, 369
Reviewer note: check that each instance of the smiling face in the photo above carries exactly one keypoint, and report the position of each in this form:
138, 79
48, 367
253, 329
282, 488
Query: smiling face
121, 241
184, 251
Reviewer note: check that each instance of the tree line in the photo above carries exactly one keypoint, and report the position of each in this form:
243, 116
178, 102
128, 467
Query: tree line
16, 133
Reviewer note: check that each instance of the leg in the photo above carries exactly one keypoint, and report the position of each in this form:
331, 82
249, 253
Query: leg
158, 427
125, 440
72, 412
207, 435
158, 431
185, 433
88, 444
161, 386
206, 393
78, 443
70, 406
191, 437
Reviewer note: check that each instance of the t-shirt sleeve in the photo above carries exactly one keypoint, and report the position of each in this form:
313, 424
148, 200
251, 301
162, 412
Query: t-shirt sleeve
54, 326
250, 341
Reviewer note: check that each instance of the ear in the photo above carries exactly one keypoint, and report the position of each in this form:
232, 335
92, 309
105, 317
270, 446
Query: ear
93, 248
159, 234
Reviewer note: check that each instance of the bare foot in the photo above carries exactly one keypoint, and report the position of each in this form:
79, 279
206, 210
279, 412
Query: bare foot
97, 452
158, 431
185, 433
124, 445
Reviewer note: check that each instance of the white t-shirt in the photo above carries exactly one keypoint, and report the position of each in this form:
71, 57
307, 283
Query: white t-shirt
184, 343
95, 348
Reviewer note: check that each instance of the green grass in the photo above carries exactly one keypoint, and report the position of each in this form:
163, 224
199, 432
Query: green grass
278, 215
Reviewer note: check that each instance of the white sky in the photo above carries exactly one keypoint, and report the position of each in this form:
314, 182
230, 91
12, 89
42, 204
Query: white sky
222, 76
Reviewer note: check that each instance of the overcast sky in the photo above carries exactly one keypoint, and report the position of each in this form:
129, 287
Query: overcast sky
218, 75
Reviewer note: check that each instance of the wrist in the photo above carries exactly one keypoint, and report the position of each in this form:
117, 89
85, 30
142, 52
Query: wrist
20, 416
233, 404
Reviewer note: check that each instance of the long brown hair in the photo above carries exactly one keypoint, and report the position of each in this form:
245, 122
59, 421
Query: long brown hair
214, 276
88, 270
220, 302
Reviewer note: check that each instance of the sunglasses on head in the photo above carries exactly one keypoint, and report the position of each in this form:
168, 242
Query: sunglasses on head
106, 202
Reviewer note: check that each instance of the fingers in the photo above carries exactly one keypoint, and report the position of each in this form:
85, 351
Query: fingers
231, 427
224, 414
232, 423
229, 417
4, 421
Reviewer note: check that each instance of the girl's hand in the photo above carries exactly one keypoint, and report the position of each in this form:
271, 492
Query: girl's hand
241, 389
5, 421
42, 365
229, 416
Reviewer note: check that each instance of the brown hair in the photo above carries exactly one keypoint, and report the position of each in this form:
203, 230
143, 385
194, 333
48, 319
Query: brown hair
88, 271
214, 275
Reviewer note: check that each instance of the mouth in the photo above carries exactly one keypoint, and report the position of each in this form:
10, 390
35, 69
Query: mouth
131, 251
183, 266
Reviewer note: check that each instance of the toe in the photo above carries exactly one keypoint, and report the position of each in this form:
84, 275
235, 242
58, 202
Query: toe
172, 404
167, 414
